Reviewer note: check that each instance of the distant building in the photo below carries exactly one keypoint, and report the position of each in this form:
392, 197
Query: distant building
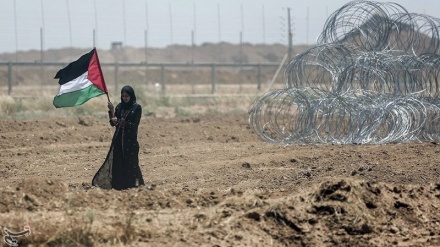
116, 46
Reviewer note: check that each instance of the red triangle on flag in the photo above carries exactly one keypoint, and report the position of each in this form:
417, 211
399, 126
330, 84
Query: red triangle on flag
95, 73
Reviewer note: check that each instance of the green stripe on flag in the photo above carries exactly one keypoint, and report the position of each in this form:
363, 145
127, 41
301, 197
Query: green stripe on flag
77, 97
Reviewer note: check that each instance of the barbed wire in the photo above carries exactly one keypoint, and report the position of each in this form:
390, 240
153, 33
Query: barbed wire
371, 78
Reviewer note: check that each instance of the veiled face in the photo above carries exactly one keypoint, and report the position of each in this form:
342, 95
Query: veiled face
125, 97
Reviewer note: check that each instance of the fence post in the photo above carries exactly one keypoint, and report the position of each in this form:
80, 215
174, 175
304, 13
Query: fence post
116, 77
147, 82
259, 77
9, 78
162, 78
213, 79
193, 73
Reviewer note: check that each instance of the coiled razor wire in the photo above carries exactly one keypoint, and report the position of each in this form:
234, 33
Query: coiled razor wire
373, 77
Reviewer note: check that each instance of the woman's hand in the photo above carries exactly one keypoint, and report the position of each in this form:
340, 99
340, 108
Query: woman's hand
111, 109
110, 106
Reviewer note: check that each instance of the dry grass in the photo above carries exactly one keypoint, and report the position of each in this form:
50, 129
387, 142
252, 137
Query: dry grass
36, 102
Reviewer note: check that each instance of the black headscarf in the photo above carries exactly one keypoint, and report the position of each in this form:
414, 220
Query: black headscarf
129, 90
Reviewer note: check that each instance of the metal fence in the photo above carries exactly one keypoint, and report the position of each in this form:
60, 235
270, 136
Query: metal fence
22, 78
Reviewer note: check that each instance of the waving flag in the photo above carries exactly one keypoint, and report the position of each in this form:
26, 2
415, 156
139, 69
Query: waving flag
80, 81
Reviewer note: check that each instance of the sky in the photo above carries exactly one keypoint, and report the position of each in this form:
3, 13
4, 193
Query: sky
53, 24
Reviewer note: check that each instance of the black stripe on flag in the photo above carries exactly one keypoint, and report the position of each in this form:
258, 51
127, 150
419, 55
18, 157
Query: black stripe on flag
74, 69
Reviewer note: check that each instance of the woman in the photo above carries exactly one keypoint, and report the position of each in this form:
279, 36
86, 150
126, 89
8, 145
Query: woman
121, 167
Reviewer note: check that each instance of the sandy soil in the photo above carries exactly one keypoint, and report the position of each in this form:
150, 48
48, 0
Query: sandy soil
212, 182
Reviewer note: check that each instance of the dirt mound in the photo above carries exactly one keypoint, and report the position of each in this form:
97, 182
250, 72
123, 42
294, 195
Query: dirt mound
336, 213
358, 213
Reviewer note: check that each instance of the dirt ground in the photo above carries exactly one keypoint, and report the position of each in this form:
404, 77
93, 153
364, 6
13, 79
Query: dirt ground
212, 182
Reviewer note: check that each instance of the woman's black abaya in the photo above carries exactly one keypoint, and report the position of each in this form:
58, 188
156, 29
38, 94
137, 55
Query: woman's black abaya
121, 167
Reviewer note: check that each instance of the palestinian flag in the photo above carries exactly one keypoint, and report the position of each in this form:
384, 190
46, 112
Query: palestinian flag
80, 81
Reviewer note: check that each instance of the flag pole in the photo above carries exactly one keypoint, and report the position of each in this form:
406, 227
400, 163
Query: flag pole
108, 98
111, 113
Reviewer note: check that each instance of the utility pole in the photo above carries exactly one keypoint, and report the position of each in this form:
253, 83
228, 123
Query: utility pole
289, 49
289, 35
192, 62
308, 24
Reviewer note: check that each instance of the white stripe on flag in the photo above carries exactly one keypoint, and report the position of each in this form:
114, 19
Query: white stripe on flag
77, 84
